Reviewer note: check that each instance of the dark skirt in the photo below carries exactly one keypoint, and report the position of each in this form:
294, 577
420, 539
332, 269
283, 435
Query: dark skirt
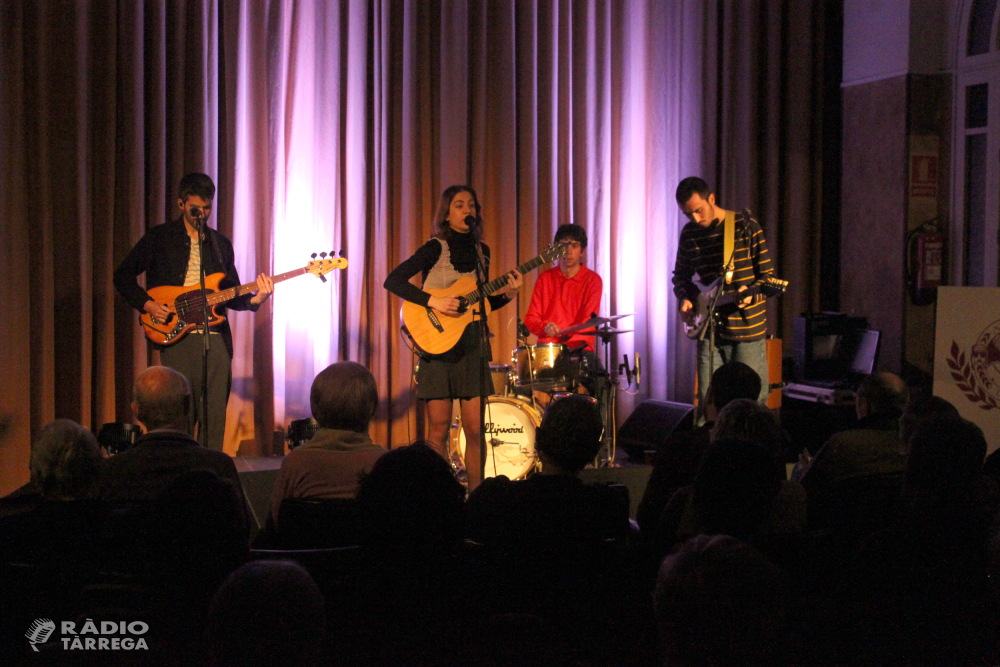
459, 373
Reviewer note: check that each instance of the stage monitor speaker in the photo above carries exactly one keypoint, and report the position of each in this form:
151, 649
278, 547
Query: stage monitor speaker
650, 424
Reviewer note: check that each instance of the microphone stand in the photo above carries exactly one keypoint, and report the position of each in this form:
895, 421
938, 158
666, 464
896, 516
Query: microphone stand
484, 342
203, 424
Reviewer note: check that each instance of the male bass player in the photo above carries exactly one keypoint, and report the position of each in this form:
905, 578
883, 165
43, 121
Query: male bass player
739, 336
170, 254
565, 295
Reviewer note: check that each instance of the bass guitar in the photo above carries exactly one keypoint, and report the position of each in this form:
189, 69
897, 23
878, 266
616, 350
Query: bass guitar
434, 333
768, 287
187, 307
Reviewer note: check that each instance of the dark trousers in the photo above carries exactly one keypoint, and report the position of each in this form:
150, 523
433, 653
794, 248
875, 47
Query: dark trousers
184, 357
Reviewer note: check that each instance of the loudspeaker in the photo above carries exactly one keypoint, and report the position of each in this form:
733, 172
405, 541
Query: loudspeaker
650, 424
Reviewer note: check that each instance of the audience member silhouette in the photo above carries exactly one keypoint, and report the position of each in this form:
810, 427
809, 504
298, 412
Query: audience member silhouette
550, 544
919, 408
920, 593
198, 536
268, 614
329, 465
676, 460
552, 508
48, 551
719, 603
162, 406
404, 605
866, 461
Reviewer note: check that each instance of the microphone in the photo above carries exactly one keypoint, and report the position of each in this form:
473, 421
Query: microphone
196, 212
522, 329
628, 371
470, 221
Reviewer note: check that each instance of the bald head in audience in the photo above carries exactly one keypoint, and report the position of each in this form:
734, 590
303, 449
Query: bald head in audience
881, 393
162, 400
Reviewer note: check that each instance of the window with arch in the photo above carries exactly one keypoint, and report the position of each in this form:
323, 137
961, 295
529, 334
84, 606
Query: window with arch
976, 148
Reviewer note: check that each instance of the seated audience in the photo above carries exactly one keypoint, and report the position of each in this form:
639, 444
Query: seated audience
553, 505
268, 613
676, 460
196, 537
870, 451
919, 408
66, 466
742, 421
407, 591
719, 602
50, 549
920, 593
162, 406
329, 465
559, 539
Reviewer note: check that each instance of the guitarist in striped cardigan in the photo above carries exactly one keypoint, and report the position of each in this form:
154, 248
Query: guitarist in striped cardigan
740, 330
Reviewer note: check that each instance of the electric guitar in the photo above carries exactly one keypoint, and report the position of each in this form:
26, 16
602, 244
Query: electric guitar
187, 307
434, 333
769, 287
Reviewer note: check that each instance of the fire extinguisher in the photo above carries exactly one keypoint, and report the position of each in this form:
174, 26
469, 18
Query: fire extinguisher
925, 252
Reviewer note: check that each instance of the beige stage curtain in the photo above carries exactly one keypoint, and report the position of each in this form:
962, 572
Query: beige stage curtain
335, 126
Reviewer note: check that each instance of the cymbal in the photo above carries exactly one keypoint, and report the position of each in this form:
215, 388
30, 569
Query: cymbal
592, 322
610, 332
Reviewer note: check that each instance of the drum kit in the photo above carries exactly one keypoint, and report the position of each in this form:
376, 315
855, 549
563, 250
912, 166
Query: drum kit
538, 374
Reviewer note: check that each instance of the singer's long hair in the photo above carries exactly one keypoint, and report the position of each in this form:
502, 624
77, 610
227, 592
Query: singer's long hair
442, 229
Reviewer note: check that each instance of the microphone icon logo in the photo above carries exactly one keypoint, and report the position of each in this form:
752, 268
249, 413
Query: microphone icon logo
39, 632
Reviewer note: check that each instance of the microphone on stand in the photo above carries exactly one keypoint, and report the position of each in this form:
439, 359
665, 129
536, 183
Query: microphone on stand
522, 329
470, 221
198, 214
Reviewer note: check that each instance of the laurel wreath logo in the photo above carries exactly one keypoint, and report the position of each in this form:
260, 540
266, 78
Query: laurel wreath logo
961, 373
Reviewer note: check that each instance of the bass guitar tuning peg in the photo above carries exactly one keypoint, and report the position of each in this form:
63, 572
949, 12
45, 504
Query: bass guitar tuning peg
341, 252
323, 255
313, 255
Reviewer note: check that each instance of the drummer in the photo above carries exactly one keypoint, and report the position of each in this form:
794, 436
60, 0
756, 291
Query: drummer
565, 295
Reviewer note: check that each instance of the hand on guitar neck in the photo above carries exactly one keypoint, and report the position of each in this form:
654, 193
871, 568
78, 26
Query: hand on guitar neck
451, 306
688, 312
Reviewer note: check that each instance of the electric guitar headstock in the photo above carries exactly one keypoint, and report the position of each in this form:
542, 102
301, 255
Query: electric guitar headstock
326, 264
555, 251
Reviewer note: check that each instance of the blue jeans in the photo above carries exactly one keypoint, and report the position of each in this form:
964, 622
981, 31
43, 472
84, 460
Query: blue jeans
753, 354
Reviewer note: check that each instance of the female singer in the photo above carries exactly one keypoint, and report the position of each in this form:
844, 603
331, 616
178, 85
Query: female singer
463, 372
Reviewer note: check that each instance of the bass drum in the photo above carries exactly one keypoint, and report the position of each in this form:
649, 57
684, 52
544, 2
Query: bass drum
510, 437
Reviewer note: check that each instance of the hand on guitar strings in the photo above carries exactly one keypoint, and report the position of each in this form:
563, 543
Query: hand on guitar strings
157, 311
264, 288
687, 312
747, 301
446, 305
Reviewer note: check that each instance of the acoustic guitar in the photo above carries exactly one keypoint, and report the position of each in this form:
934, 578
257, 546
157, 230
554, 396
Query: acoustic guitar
769, 287
187, 307
434, 333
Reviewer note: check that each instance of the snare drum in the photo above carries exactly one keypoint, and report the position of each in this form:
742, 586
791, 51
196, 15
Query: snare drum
510, 437
542, 366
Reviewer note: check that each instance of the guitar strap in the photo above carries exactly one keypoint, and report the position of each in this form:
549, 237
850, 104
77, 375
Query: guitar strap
728, 245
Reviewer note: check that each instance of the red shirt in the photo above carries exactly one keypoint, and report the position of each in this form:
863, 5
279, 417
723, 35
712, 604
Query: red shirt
564, 301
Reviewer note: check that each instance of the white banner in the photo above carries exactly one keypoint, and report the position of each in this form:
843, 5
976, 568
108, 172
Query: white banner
967, 355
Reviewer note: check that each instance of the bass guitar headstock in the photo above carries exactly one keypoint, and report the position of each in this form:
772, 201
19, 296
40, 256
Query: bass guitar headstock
326, 264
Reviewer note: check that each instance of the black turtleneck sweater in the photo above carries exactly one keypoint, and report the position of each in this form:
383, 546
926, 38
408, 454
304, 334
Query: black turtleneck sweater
463, 258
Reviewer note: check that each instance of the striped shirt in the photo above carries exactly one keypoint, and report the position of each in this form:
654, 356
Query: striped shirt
700, 252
